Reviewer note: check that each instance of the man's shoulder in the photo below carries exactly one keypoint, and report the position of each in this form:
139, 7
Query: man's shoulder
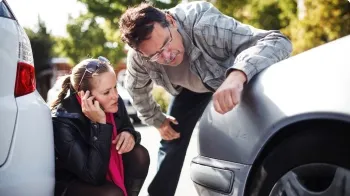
132, 52
133, 56
190, 10
189, 6
135, 61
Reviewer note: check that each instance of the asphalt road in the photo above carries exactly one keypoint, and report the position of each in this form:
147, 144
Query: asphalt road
151, 139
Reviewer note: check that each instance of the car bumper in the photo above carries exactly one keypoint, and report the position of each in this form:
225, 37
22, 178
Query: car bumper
30, 168
214, 177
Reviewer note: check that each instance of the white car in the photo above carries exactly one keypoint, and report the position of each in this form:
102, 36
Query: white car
123, 93
26, 134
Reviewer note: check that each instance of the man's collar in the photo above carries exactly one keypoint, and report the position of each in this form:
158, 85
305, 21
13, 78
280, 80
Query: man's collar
191, 50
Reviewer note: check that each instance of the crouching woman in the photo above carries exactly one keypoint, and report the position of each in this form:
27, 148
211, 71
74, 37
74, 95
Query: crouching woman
97, 149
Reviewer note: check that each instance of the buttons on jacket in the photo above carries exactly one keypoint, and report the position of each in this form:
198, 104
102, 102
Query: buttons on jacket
94, 126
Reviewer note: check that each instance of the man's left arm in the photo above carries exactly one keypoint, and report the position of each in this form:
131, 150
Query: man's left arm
253, 50
257, 50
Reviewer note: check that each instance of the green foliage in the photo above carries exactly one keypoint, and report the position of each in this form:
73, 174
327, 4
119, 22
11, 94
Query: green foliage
41, 42
233, 8
111, 10
289, 12
268, 14
324, 21
88, 39
161, 97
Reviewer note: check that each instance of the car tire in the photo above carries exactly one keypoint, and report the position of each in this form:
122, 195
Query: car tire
309, 149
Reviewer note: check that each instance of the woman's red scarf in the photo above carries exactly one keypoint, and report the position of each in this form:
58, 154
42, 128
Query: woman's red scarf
115, 171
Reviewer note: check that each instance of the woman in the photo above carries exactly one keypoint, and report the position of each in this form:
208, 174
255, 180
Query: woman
98, 152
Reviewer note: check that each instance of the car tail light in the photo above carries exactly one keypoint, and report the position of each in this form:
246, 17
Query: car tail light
25, 78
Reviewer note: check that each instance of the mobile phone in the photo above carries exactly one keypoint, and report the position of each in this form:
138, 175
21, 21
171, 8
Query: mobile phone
93, 101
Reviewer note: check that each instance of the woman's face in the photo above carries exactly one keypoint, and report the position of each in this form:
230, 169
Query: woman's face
105, 91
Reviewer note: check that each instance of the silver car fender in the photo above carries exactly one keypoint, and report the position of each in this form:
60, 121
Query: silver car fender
311, 85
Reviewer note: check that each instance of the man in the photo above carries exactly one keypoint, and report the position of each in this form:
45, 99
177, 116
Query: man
197, 54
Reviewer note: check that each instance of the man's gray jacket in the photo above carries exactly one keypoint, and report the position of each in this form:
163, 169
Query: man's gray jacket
216, 44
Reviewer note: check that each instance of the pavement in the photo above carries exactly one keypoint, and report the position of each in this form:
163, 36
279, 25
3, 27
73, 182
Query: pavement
151, 141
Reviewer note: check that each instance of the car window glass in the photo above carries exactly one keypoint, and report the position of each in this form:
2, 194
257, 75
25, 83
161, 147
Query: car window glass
4, 11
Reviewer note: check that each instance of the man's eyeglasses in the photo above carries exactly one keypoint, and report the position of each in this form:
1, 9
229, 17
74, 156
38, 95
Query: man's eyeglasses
156, 56
93, 66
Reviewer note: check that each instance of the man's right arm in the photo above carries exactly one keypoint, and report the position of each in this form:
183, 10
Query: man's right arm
139, 85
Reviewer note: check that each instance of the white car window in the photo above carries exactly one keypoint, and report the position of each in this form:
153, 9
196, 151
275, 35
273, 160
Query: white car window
5, 11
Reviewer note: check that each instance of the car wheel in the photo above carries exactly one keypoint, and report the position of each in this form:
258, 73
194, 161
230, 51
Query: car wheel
311, 163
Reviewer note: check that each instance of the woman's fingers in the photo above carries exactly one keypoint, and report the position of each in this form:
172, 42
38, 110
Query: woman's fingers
125, 143
90, 103
124, 146
116, 139
131, 145
120, 142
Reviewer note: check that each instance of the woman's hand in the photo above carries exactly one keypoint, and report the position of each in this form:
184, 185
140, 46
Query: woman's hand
124, 141
91, 109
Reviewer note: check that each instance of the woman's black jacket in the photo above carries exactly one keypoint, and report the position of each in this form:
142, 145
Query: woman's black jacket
82, 147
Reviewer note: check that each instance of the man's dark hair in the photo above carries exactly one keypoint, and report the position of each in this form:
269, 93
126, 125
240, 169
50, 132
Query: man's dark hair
137, 23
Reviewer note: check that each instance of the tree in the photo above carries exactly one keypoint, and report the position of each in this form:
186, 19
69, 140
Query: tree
41, 42
111, 10
88, 39
324, 21
233, 8
268, 14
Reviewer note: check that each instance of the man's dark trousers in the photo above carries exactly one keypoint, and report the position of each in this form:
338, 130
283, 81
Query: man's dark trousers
187, 108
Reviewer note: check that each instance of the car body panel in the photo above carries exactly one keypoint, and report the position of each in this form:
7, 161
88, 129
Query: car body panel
8, 57
29, 169
27, 162
311, 85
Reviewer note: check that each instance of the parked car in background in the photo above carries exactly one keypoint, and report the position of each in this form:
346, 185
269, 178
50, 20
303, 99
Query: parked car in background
289, 136
123, 94
26, 134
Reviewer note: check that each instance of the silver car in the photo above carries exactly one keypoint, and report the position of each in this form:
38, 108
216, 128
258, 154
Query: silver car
290, 135
27, 164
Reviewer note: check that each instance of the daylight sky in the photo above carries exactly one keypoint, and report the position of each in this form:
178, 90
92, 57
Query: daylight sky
54, 12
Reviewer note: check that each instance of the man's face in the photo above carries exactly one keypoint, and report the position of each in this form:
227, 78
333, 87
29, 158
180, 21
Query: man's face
164, 46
